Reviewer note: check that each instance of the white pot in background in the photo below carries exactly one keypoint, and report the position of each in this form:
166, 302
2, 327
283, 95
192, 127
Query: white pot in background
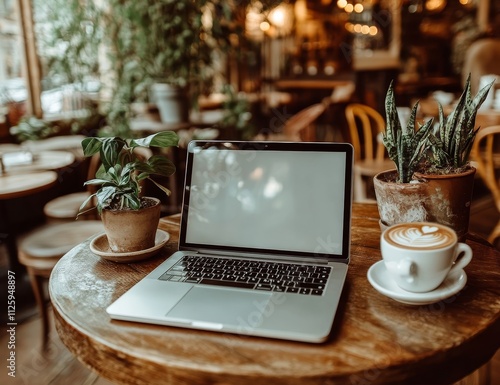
171, 102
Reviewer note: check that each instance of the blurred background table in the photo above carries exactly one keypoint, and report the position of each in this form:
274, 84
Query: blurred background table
43, 160
17, 186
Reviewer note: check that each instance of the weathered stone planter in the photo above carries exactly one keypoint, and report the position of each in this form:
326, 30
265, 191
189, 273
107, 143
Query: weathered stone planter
444, 199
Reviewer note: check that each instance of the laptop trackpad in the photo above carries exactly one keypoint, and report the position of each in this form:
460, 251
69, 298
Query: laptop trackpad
220, 306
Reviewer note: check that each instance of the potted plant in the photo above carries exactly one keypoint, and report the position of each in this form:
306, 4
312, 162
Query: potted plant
433, 180
130, 220
167, 49
30, 128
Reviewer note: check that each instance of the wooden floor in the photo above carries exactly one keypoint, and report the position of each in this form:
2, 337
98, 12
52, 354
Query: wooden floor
57, 366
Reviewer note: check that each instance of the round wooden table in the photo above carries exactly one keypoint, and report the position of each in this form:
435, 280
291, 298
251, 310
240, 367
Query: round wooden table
13, 185
43, 160
375, 340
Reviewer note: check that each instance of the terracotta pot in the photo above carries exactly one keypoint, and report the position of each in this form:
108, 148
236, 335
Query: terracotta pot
132, 230
444, 199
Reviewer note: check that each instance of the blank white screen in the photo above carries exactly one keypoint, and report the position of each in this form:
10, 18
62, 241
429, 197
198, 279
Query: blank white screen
277, 200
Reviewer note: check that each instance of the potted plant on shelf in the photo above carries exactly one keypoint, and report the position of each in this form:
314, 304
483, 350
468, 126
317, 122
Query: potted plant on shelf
433, 180
130, 220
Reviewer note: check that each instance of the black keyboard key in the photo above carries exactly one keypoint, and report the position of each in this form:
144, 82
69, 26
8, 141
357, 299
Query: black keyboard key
310, 285
292, 290
192, 280
316, 292
216, 282
261, 286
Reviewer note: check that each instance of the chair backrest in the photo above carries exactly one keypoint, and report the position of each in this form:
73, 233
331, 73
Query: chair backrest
300, 127
481, 58
366, 127
486, 157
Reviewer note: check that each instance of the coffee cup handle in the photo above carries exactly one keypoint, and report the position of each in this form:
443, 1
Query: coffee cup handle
406, 269
464, 260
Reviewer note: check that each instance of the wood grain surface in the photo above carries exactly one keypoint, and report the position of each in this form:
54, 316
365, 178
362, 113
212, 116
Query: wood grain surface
20, 185
375, 340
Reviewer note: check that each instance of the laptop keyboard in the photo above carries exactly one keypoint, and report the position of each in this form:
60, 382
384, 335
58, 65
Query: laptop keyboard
247, 274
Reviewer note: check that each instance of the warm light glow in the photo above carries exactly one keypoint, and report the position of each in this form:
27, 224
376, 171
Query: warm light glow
281, 19
265, 26
464, 2
253, 20
341, 3
329, 70
300, 10
312, 69
358, 8
436, 5
277, 16
361, 28
206, 19
349, 8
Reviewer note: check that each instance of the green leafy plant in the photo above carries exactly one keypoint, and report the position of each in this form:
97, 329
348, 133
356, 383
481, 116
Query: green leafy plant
32, 128
123, 170
237, 113
444, 151
180, 42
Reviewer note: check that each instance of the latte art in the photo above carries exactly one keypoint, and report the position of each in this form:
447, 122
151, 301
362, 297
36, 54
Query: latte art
420, 236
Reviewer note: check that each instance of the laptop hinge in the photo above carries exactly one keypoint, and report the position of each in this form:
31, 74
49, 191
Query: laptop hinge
272, 257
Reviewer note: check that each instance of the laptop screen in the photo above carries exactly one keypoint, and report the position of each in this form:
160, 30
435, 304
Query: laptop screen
268, 197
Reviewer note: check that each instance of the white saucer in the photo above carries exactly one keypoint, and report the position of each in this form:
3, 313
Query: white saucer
384, 284
100, 246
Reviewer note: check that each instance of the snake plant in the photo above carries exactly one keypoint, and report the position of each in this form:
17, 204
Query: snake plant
452, 142
122, 170
405, 145
444, 150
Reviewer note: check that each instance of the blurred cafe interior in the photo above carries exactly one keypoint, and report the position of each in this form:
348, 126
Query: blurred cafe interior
248, 70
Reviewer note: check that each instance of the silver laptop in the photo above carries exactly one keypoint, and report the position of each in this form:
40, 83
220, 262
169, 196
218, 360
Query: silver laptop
263, 246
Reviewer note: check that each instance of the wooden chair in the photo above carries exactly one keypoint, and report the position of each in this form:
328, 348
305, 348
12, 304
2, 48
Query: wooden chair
300, 127
486, 158
42, 248
66, 207
366, 127
481, 58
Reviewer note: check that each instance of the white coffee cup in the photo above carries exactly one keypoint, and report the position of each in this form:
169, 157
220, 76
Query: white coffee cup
420, 255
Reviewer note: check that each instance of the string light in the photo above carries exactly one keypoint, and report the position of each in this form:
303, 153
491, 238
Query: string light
358, 8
